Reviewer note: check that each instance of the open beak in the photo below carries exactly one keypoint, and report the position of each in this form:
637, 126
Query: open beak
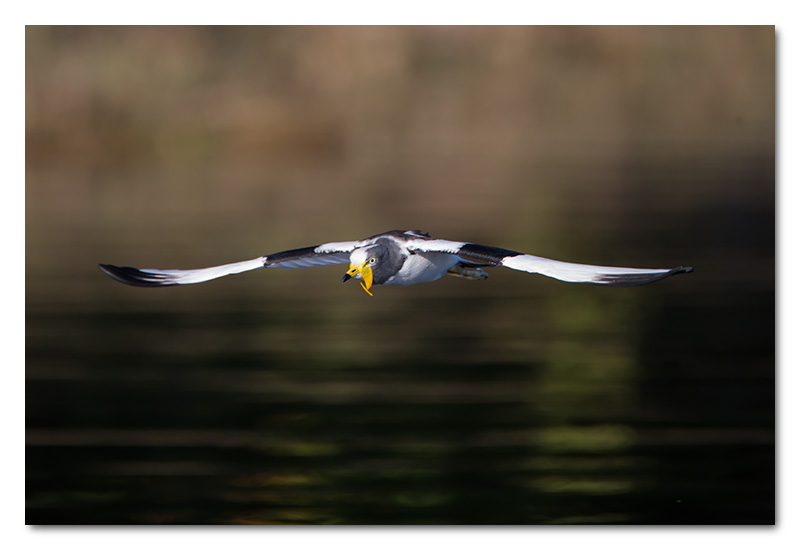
363, 272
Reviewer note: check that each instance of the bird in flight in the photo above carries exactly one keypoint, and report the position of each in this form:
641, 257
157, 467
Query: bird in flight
401, 258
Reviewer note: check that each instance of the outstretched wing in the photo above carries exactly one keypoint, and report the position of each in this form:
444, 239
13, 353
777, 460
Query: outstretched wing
564, 271
312, 256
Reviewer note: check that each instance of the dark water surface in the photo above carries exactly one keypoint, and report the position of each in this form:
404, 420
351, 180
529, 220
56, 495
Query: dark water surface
487, 407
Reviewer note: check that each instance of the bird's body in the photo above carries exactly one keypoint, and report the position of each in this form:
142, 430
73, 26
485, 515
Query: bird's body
391, 251
423, 267
402, 258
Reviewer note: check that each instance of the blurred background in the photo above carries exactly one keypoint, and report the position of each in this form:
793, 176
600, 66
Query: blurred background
284, 396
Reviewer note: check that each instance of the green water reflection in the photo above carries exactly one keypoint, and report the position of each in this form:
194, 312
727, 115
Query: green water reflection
168, 417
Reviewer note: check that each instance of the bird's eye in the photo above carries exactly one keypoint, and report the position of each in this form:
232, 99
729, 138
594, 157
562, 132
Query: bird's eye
372, 261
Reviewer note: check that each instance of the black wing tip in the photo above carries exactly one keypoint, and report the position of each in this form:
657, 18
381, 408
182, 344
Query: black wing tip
635, 279
135, 277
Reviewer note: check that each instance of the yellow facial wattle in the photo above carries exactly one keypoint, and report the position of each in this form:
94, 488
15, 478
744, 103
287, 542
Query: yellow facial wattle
366, 275
366, 278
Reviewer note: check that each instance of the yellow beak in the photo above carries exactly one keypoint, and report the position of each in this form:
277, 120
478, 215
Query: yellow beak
366, 275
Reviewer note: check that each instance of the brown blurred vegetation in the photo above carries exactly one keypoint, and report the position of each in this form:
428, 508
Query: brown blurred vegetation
206, 145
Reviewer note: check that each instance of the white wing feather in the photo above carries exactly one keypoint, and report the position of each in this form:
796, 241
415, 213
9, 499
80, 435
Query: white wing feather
167, 277
564, 271
324, 254
572, 273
